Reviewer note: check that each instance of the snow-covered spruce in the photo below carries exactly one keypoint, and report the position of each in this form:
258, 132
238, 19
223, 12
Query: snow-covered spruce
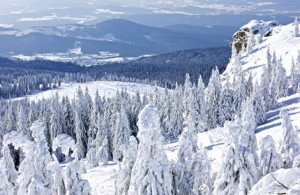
122, 181
151, 173
270, 160
238, 171
289, 146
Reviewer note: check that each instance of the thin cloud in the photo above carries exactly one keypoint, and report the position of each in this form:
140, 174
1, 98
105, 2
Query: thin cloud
79, 20
16, 12
159, 11
44, 18
6, 25
108, 11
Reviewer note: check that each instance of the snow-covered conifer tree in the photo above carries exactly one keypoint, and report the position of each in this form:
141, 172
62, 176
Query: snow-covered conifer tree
289, 145
103, 152
82, 120
73, 181
69, 118
250, 42
295, 75
151, 173
239, 86
80, 135
122, 181
22, 123
264, 87
192, 168
227, 110
187, 93
57, 184
296, 24
42, 156
165, 113
213, 99
280, 80
176, 116
9, 118
247, 135
200, 170
55, 117
8, 173
35, 178
121, 134
91, 156
200, 105
238, 171
93, 128
270, 160
259, 105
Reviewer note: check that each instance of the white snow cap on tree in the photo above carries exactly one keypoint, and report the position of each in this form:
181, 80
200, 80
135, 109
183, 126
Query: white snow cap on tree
151, 173
65, 143
289, 145
270, 160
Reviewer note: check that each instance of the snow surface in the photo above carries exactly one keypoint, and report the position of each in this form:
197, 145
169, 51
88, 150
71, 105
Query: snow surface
287, 177
106, 89
102, 179
282, 41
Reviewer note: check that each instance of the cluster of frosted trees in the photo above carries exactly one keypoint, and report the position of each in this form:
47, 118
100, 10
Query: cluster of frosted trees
105, 129
145, 168
37, 172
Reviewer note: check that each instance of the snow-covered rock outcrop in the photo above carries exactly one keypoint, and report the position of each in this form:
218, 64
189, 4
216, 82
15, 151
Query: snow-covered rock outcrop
257, 28
280, 40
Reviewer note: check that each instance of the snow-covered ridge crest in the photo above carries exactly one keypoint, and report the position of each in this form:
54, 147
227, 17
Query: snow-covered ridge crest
259, 38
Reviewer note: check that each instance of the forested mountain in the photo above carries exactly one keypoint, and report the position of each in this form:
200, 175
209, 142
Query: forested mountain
170, 68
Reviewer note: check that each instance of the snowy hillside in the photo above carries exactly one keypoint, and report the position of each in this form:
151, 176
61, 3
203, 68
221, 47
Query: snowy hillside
105, 89
279, 39
102, 178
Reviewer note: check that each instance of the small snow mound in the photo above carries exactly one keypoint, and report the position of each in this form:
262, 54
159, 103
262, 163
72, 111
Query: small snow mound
295, 190
277, 182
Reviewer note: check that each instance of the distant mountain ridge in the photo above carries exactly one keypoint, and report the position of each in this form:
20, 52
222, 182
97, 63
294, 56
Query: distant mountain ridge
115, 36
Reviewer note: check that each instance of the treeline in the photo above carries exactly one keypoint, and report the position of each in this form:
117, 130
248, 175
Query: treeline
167, 69
19, 78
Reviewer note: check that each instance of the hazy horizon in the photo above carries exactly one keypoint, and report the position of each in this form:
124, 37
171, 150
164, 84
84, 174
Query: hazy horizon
20, 14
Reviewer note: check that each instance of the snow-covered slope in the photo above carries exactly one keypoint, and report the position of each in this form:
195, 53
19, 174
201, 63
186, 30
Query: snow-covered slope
102, 178
105, 88
281, 41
